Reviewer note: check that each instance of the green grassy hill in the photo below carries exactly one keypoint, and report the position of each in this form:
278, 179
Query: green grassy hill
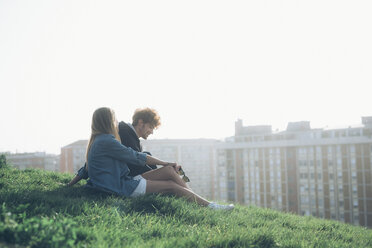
36, 210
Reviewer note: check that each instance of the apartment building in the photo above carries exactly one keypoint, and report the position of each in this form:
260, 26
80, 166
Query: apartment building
320, 172
197, 157
36, 160
73, 156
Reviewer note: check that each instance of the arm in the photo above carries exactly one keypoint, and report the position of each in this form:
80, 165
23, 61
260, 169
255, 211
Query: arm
153, 167
150, 160
76, 179
82, 174
127, 154
116, 150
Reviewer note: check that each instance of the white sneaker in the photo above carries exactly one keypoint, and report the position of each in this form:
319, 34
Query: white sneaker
216, 206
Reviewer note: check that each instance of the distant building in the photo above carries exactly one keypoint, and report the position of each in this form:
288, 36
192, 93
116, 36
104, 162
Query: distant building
37, 160
318, 172
197, 157
73, 156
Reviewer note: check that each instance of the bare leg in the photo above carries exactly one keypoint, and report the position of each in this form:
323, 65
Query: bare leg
163, 174
170, 187
76, 179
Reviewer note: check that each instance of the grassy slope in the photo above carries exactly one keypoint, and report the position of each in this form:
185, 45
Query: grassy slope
37, 211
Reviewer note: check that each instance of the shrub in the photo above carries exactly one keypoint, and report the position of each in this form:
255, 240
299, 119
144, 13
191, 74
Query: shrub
2, 161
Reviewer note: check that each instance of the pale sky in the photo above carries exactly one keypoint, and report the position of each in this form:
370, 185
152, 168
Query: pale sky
201, 64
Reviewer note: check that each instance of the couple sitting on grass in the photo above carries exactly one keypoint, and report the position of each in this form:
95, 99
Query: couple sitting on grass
108, 161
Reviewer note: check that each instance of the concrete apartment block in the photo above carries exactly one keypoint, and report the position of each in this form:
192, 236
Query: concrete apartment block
37, 160
320, 172
73, 156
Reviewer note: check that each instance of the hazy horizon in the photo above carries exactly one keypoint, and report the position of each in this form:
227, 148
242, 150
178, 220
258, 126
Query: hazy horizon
201, 64
154, 137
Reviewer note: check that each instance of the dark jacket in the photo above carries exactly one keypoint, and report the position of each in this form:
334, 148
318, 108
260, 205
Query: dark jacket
130, 139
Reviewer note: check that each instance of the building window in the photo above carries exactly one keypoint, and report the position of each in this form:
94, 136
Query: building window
354, 189
303, 175
329, 150
231, 185
318, 164
352, 149
339, 163
319, 150
331, 188
332, 203
304, 199
320, 187
352, 161
338, 149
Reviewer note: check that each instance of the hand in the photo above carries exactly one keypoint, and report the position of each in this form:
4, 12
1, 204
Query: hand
175, 166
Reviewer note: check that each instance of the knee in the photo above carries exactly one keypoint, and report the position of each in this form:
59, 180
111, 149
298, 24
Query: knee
170, 170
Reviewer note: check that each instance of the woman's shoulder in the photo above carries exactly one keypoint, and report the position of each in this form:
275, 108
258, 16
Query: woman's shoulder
103, 138
106, 139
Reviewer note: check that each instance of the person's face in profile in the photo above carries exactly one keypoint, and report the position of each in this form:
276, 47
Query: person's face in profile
147, 130
144, 129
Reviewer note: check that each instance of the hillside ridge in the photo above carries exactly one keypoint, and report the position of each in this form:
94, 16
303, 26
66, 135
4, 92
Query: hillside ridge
37, 210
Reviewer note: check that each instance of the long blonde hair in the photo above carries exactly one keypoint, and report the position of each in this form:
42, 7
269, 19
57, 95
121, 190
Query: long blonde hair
103, 122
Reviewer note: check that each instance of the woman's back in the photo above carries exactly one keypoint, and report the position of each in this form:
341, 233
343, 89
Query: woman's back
107, 165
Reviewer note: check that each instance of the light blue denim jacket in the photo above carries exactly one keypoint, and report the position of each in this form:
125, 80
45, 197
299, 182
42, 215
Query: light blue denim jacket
107, 165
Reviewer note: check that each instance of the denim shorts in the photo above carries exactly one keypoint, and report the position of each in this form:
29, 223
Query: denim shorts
141, 188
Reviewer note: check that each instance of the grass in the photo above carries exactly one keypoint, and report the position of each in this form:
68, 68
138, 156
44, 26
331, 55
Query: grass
36, 210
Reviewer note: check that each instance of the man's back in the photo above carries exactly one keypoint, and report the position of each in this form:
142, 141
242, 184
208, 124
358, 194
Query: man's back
130, 139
